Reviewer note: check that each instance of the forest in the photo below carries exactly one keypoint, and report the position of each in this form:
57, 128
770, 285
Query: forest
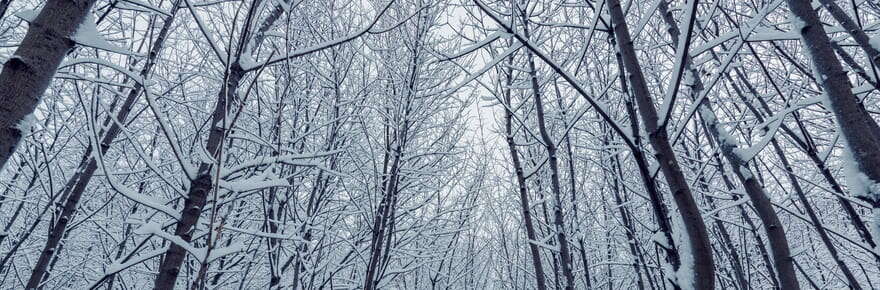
440, 144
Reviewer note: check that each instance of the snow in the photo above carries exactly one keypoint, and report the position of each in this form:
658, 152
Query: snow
26, 125
75, 61
156, 230
146, 5
87, 35
685, 274
322, 172
875, 42
660, 238
253, 184
28, 15
748, 154
117, 266
859, 184
797, 24
736, 203
489, 39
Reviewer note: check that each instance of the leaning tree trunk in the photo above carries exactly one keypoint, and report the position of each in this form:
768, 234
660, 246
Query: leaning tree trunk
859, 35
78, 182
390, 184
201, 185
27, 74
740, 166
806, 145
860, 131
572, 188
697, 236
658, 205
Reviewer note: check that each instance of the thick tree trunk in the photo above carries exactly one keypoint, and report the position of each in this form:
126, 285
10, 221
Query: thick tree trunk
697, 236
29, 71
860, 131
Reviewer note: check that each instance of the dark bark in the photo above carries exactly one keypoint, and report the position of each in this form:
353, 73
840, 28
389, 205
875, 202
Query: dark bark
522, 186
855, 30
553, 161
740, 167
28, 73
201, 185
697, 235
860, 131
77, 184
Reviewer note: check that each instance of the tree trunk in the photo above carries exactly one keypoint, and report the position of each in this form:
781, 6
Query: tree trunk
740, 166
698, 238
77, 184
857, 34
201, 185
552, 160
525, 207
28, 73
860, 131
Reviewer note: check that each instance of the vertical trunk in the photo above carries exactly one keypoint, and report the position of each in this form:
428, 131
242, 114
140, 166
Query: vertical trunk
525, 207
553, 162
28, 73
399, 139
735, 260
572, 186
700, 249
4, 5
380, 222
629, 229
201, 185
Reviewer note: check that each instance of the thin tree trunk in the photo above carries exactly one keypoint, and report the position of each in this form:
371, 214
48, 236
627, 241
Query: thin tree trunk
525, 207
572, 186
86, 170
629, 229
552, 160
814, 218
857, 34
390, 183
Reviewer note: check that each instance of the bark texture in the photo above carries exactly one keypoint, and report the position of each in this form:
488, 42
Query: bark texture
28, 73
697, 236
